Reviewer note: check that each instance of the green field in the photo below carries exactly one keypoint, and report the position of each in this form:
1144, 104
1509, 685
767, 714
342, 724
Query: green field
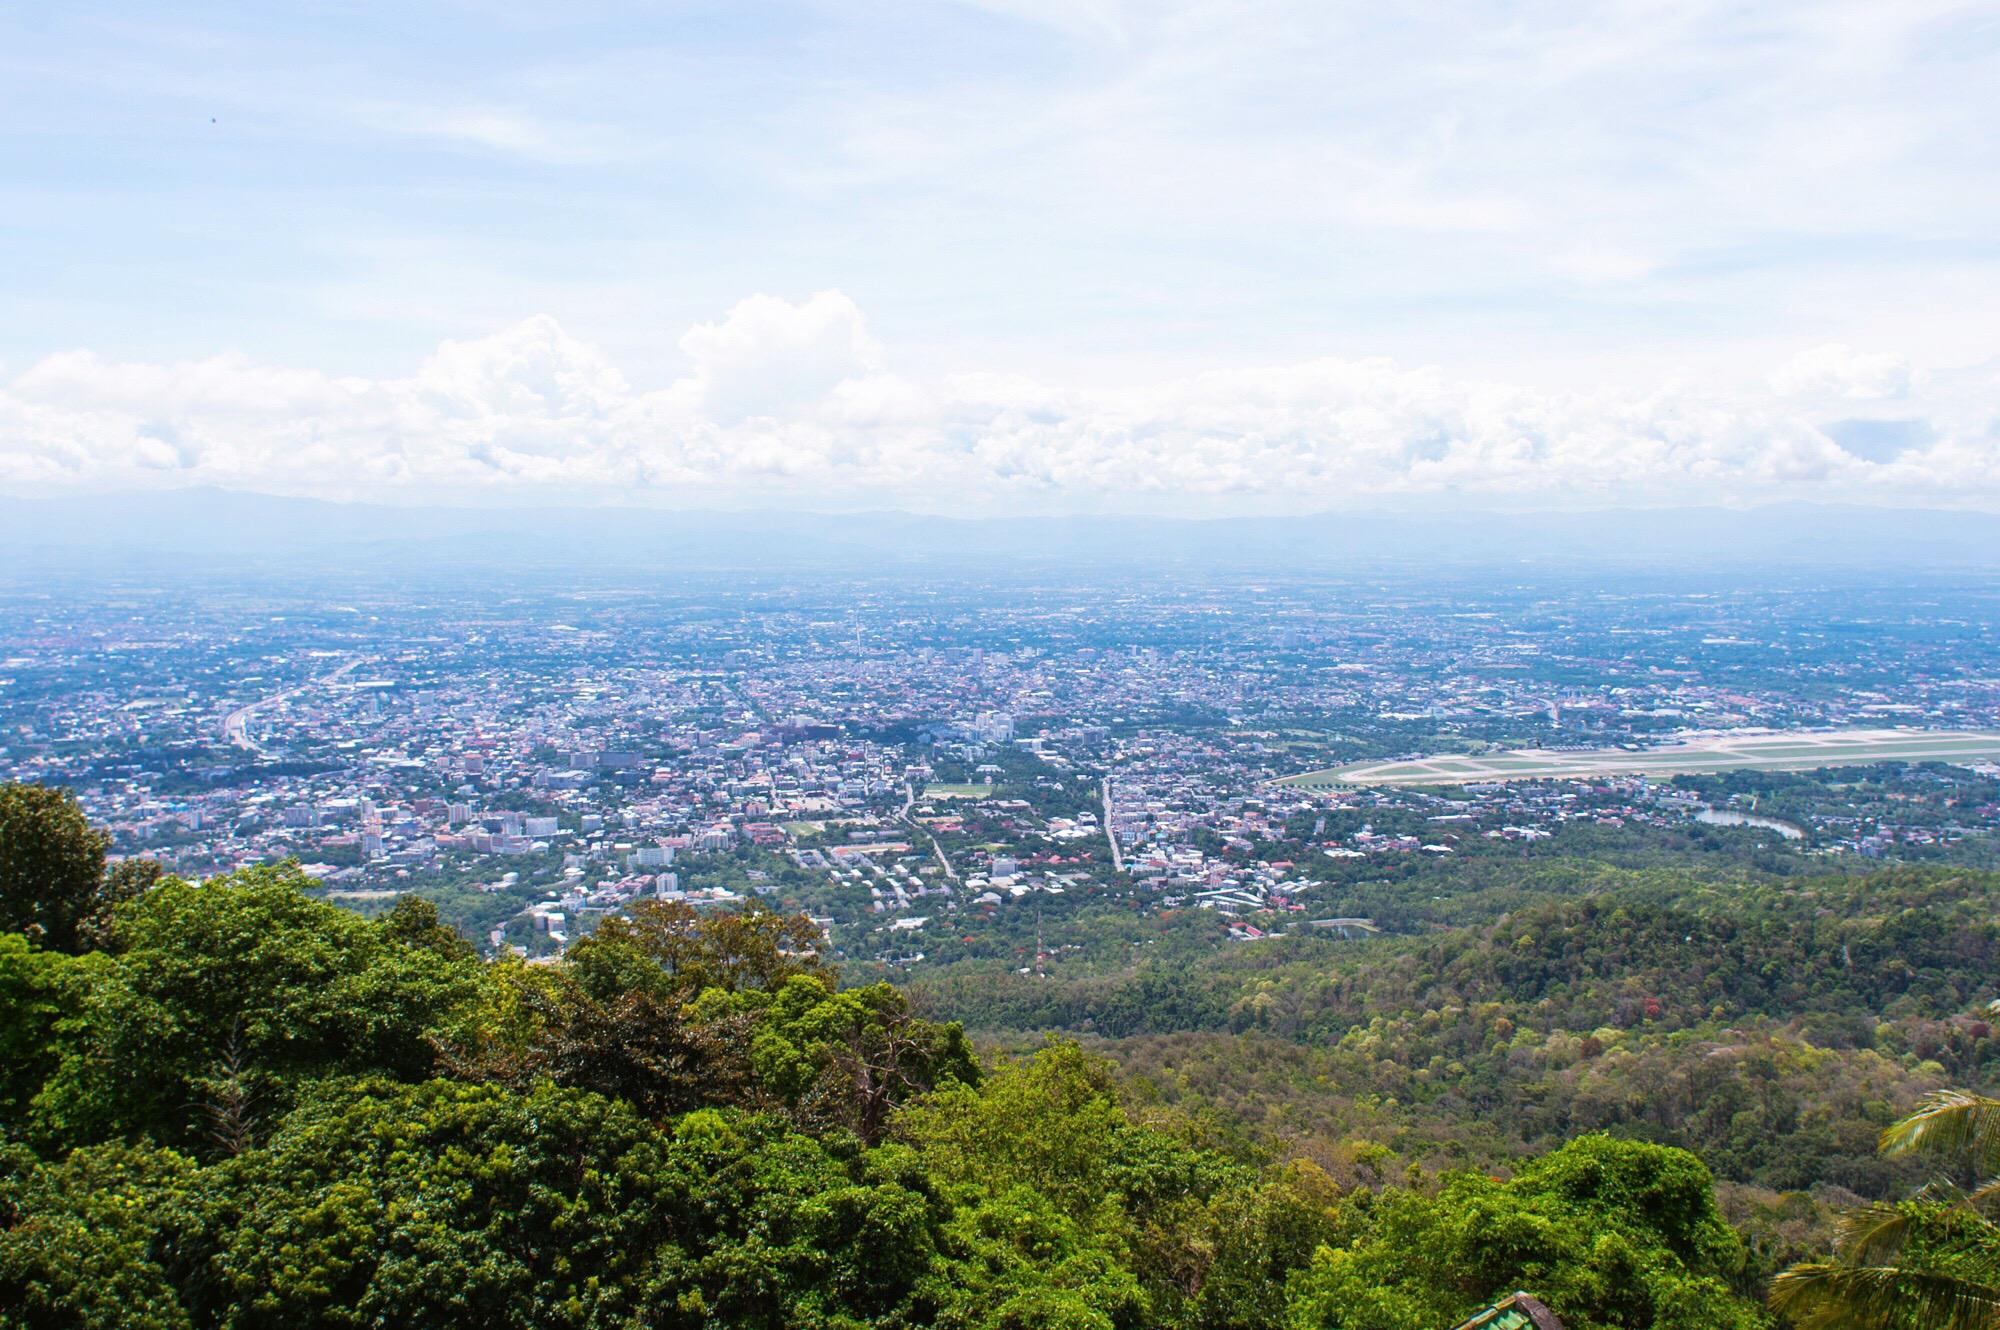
958, 792
1802, 750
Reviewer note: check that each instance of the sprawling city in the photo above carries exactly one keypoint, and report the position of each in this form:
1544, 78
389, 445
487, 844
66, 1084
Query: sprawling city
937, 772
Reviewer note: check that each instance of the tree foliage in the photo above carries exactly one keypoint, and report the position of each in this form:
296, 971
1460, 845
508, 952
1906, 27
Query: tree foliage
52, 877
247, 1108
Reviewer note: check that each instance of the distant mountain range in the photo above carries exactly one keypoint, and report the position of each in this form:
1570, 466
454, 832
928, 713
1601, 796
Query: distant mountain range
213, 530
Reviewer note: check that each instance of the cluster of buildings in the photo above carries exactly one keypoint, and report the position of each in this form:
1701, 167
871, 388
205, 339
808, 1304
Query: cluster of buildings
883, 755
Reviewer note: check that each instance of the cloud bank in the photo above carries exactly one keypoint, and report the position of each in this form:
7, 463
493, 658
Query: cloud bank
796, 403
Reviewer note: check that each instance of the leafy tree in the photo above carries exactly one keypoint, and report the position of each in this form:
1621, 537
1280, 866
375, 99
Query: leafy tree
435, 1205
636, 1044
747, 949
51, 866
30, 1004
413, 922
127, 880
1609, 1233
779, 1229
1044, 1151
89, 1241
225, 997
842, 1057
1052, 1123
1258, 1236
1017, 1262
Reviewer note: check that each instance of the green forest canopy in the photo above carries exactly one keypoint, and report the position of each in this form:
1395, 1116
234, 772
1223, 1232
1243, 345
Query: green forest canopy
233, 1104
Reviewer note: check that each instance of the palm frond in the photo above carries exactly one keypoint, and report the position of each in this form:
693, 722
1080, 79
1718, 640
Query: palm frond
1879, 1297
1956, 1122
1871, 1234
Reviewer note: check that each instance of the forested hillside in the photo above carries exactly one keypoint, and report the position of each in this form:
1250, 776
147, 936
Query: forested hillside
1773, 1026
229, 1104
233, 1104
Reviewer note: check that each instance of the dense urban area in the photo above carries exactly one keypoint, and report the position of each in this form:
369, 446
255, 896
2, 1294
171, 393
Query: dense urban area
914, 764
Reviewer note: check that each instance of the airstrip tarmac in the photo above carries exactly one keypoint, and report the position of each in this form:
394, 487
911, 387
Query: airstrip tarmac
1795, 750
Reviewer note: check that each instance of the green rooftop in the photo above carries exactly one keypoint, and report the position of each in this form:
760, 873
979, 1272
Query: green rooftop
1516, 1311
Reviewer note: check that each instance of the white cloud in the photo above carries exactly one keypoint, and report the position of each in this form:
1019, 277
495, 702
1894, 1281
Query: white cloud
770, 356
794, 403
532, 368
1840, 371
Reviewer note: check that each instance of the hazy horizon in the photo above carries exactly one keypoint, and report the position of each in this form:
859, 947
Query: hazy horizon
213, 532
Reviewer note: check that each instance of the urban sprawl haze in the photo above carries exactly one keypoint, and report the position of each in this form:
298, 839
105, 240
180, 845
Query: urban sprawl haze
936, 770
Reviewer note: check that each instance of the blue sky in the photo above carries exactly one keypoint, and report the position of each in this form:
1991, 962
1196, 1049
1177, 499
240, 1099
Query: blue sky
1081, 255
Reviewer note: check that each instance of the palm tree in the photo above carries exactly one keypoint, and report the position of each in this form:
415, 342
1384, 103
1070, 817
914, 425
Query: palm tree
1929, 1263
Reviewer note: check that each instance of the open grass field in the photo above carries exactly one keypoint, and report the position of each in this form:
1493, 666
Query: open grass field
958, 791
1797, 750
